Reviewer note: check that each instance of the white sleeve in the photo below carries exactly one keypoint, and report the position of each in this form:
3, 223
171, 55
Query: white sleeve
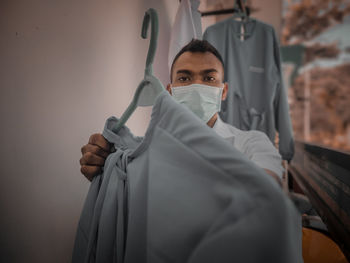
259, 149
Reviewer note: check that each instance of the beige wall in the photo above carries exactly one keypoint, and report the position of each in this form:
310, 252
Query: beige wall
65, 66
270, 12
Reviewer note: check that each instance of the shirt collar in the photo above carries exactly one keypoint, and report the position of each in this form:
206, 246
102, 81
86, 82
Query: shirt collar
221, 128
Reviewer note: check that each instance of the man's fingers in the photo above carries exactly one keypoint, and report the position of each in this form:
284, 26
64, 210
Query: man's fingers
92, 159
94, 155
95, 150
99, 140
90, 171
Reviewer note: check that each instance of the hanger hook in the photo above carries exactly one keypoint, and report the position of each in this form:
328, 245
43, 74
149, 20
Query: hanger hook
240, 5
150, 15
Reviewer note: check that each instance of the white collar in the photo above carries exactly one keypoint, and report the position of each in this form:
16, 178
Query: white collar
222, 128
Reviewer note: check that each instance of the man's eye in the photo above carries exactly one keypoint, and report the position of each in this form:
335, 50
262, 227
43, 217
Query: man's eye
209, 78
182, 79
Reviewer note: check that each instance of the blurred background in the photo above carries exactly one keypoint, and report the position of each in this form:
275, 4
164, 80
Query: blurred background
315, 48
320, 93
66, 66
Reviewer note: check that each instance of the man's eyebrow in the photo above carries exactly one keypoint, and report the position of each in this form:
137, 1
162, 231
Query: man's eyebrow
202, 72
184, 71
206, 71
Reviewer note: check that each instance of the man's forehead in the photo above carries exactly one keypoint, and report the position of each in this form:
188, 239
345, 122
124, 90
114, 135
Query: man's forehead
197, 61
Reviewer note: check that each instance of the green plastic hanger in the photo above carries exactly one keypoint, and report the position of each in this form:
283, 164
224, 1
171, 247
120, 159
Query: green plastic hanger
150, 87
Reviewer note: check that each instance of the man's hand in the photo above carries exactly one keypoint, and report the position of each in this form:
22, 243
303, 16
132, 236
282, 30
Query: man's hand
94, 155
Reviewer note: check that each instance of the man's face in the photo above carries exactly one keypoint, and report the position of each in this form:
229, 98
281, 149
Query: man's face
198, 68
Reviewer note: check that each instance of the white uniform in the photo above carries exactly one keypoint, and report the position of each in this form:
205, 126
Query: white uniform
253, 144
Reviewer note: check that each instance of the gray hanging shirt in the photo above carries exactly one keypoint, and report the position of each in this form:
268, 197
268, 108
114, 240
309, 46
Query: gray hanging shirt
257, 98
182, 194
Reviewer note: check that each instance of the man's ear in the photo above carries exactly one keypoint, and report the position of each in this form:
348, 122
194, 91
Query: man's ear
168, 88
224, 92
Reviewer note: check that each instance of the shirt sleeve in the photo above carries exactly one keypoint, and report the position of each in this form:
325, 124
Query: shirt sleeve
259, 149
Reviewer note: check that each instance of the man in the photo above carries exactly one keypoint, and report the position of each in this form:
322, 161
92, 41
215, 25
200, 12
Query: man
197, 81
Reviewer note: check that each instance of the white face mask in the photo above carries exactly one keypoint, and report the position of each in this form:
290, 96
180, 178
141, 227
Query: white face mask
202, 100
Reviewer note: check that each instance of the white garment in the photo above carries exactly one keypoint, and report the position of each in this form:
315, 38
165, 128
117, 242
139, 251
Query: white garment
187, 25
253, 144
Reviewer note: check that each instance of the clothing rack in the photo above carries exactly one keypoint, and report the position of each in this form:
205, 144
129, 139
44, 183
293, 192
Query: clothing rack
227, 11
239, 6
223, 12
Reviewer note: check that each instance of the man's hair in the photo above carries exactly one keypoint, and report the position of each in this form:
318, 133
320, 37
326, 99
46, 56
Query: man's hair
196, 45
